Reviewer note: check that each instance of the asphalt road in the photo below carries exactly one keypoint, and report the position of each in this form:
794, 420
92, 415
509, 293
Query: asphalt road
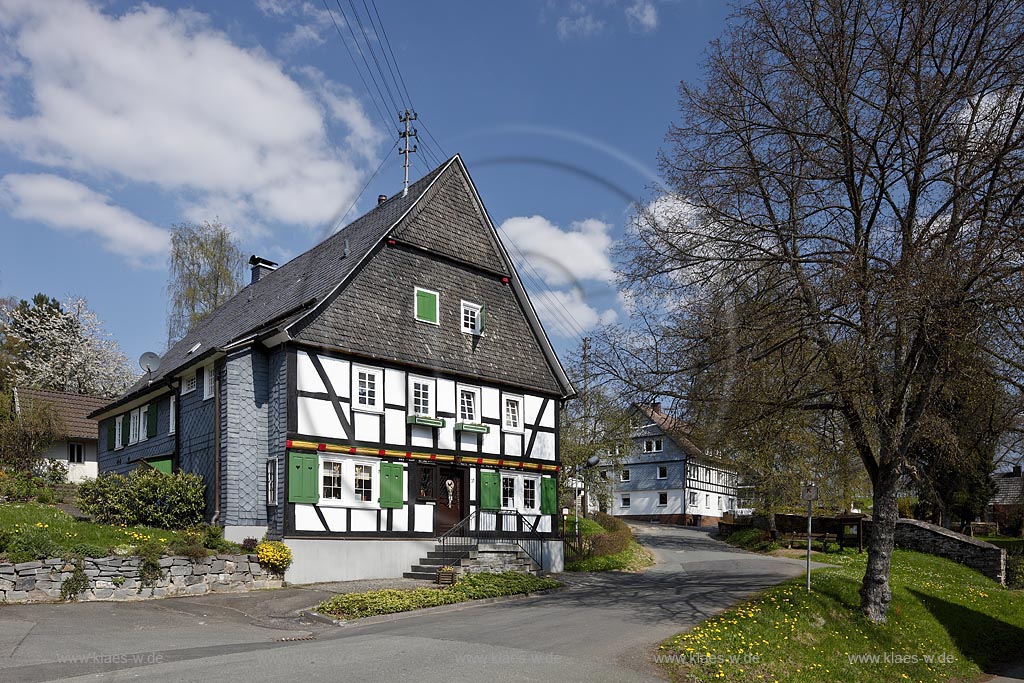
604, 627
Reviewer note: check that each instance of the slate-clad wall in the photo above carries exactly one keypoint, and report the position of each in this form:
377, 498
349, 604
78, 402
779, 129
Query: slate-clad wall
245, 431
196, 438
127, 459
277, 430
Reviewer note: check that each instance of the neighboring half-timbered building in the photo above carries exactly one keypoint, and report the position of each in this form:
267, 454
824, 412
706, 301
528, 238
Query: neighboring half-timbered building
389, 385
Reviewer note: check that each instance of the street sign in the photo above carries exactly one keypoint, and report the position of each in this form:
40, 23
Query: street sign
809, 492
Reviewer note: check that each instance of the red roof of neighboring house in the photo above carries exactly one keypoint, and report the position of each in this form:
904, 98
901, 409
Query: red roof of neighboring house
72, 409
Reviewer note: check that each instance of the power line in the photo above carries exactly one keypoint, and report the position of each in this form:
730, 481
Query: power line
384, 160
360, 50
387, 42
373, 54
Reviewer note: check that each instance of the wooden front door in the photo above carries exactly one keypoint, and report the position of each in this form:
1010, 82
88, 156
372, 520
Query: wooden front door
451, 507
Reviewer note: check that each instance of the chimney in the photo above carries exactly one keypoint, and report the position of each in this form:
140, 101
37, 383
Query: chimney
381, 198
261, 267
656, 406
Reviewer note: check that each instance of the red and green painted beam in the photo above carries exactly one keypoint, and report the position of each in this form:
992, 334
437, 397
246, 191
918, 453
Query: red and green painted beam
413, 455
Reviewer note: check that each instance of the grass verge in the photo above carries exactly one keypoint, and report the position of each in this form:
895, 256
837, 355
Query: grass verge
633, 559
946, 623
468, 587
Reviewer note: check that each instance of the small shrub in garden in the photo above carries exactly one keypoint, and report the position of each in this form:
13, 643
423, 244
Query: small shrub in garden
29, 544
249, 544
16, 487
76, 583
146, 497
274, 556
45, 497
149, 554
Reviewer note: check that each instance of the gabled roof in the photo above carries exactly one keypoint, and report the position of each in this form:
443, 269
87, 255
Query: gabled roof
1009, 488
72, 409
673, 428
299, 288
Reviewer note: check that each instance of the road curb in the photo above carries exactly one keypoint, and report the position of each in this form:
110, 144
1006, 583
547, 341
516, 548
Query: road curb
440, 609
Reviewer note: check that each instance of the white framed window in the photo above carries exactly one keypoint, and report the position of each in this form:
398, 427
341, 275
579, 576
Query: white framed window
472, 318
692, 498
188, 382
144, 423
346, 482
720, 503
512, 414
76, 453
653, 445
331, 480
173, 414
363, 482
625, 501
624, 475
208, 385
119, 432
133, 427
508, 493
367, 389
469, 404
662, 498
428, 306
707, 501
529, 493
421, 396
271, 479
662, 472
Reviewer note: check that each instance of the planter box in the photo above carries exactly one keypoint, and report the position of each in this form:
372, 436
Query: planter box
425, 421
446, 577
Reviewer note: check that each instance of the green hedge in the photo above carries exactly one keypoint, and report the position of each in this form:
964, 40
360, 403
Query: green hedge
468, 587
146, 497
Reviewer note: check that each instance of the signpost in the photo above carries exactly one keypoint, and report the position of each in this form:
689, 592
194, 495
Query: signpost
809, 492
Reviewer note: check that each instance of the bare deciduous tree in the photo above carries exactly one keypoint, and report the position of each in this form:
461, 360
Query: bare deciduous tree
205, 270
845, 207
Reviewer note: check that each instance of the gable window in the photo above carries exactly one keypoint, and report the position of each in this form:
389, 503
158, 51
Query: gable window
422, 392
143, 423
624, 475
662, 472
207, 382
472, 318
508, 493
188, 384
119, 432
513, 414
364, 483
469, 405
332, 479
529, 493
662, 499
366, 389
625, 501
173, 413
653, 446
427, 306
133, 427
76, 453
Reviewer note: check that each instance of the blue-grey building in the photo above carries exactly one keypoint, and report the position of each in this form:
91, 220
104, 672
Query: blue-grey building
666, 478
389, 384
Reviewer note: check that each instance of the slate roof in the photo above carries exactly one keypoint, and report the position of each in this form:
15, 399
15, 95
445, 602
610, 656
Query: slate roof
284, 296
1009, 488
73, 409
673, 428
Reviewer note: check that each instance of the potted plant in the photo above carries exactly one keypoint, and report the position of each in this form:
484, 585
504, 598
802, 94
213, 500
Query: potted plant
446, 575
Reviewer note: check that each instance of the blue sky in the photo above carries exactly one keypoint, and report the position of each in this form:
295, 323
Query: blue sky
120, 119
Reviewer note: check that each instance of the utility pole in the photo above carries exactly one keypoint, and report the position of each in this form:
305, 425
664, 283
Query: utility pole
405, 135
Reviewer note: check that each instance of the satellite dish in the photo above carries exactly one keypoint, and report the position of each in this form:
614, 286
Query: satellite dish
149, 361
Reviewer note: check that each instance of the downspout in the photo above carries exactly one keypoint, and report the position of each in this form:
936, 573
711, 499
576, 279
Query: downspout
216, 447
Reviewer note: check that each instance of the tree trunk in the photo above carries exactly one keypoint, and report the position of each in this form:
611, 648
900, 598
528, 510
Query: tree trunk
875, 593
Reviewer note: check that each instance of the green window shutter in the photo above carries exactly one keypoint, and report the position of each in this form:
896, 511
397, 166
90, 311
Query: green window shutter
111, 434
548, 496
151, 420
391, 490
483, 318
161, 464
490, 491
125, 428
302, 473
426, 306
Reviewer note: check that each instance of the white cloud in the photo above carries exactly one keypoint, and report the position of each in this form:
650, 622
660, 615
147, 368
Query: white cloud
565, 312
578, 25
563, 256
159, 97
312, 23
72, 207
642, 16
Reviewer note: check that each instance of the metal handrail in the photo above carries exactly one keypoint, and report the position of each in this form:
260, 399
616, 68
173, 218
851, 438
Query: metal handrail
461, 539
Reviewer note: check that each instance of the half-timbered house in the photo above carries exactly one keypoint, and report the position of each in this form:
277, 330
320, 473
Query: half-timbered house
389, 386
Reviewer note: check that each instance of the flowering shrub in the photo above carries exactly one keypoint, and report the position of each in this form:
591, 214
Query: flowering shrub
274, 556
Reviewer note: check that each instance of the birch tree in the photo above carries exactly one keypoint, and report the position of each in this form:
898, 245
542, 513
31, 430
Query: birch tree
849, 180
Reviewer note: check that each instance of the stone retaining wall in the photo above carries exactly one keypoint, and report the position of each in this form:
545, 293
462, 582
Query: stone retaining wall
923, 537
117, 578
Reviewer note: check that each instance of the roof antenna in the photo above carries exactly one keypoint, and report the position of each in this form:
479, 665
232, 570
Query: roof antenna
406, 134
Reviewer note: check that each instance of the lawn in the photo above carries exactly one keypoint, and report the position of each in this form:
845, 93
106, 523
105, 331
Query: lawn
63, 531
946, 623
1008, 542
632, 558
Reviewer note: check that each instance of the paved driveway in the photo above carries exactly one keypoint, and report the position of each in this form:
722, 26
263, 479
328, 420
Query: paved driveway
603, 628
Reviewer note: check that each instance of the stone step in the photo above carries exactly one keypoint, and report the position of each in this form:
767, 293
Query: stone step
428, 576
460, 554
438, 561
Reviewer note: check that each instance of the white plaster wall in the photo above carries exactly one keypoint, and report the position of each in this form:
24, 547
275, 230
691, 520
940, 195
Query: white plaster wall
77, 472
306, 376
317, 417
317, 560
544, 446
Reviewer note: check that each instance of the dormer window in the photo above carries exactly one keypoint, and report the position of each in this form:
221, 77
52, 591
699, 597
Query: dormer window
472, 318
